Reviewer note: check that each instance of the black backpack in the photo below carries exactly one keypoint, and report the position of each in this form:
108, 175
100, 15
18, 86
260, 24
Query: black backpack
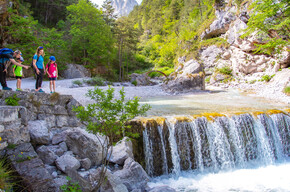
35, 62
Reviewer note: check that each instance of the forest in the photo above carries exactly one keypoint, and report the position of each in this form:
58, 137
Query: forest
154, 35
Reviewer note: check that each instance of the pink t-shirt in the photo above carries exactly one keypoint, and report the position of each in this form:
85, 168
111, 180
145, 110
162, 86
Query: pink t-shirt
52, 69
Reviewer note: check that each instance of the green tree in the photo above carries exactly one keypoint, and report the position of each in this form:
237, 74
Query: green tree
91, 38
271, 20
109, 117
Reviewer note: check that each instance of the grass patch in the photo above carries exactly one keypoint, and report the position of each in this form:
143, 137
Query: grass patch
54, 97
77, 82
225, 70
95, 81
266, 78
5, 176
286, 90
12, 101
219, 42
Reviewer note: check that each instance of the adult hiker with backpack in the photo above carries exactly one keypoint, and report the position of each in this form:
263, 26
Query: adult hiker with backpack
6, 58
38, 65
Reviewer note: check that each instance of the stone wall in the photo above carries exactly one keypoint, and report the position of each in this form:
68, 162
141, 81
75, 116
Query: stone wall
45, 143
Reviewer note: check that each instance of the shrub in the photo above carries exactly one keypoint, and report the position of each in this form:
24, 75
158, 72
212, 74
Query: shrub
266, 78
54, 97
134, 82
95, 81
207, 79
77, 82
253, 81
287, 90
225, 70
13, 101
5, 176
71, 186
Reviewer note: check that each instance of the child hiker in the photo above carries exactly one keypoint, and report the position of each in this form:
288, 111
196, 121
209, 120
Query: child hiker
51, 69
17, 71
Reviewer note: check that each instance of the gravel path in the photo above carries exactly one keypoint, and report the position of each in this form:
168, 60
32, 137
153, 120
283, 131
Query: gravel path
65, 87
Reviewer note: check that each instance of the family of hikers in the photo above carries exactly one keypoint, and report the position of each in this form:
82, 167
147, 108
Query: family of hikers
8, 56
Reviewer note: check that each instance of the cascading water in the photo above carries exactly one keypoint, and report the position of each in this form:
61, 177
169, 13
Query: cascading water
213, 144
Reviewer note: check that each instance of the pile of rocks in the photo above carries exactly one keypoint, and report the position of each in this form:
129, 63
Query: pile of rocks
46, 143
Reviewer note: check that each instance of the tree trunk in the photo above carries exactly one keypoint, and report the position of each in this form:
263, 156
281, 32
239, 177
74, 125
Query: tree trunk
120, 59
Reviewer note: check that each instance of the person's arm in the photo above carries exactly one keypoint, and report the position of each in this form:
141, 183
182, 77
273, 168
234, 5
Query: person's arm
56, 72
18, 64
14, 71
46, 69
35, 67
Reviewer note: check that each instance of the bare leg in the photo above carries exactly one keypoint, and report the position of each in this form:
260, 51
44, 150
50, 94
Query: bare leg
50, 85
53, 86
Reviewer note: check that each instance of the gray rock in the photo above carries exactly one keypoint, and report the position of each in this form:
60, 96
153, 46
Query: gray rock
38, 132
121, 151
162, 189
8, 114
15, 133
220, 25
50, 168
31, 169
67, 162
86, 145
86, 163
63, 146
59, 137
141, 79
50, 119
191, 78
60, 181
235, 31
46, 154
209, 56
61, 121
75, 71
132, 175
54, 174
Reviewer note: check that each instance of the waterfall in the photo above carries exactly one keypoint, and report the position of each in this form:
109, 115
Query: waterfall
215, 143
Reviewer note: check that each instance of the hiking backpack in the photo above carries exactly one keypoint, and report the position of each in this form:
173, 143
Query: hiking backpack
3, 52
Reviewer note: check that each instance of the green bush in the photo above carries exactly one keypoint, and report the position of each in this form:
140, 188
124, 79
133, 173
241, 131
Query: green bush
266, 78
95, 81
134, 83
77, 82
71, 186
287, 90
207, 80
13, 101
225, 70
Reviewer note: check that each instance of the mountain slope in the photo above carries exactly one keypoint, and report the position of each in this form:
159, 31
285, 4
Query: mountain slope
123, 7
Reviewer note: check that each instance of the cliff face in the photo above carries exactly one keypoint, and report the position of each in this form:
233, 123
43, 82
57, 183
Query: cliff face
236, 64
123, 7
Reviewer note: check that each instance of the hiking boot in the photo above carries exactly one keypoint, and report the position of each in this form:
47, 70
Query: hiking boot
41, 91
6, 88
18, 89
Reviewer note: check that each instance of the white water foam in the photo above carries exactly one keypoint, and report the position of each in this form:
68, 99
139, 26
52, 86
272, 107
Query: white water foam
273, 178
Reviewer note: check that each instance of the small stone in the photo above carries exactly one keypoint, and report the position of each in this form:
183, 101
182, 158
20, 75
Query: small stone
86, 163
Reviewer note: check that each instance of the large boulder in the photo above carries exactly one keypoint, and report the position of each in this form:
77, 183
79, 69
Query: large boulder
66, 162
220, 25
140, 79
209, 56
191, 78
75, 71
122, 151
31, 169
38, 132
86, 145
132, 175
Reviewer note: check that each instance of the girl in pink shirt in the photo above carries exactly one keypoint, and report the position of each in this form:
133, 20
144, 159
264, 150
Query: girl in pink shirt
51, 69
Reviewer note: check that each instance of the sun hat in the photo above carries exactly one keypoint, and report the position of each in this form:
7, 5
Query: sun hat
52, 58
